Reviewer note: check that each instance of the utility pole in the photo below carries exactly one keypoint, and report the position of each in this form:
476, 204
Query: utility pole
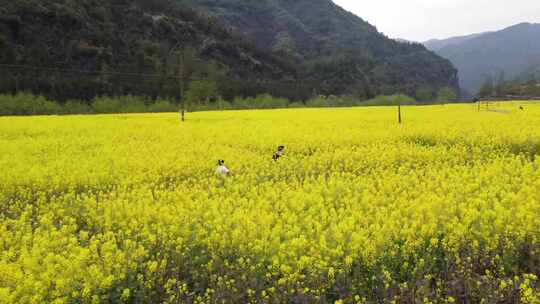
399, 112
181, 80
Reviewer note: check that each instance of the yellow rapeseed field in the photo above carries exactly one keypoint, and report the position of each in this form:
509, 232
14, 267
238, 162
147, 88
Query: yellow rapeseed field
444, 208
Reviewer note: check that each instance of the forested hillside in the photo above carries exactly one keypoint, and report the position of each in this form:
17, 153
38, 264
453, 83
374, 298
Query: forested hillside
333, 45
502, 54
526, 84
136, 38
304, 47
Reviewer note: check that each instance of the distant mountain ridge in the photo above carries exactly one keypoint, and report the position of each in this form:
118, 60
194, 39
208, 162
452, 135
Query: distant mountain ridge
333, 45
506, 52
437, 44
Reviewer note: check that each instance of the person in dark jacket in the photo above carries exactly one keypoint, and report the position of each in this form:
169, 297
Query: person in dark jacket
279, 153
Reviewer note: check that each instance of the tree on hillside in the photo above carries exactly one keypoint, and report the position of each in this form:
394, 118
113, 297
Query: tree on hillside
487, 88
284, 45
531, 79
200, 91
424, 93
156, 5
447, 94
501, 83
201, 77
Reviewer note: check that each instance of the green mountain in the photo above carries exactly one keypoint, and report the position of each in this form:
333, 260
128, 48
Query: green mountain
314, 45
492, 55
138, 37
333, 45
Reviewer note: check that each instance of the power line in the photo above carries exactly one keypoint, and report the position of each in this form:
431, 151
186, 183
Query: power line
51, 69
296, 82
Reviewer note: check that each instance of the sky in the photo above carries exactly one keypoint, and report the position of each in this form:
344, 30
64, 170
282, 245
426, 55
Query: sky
420, 20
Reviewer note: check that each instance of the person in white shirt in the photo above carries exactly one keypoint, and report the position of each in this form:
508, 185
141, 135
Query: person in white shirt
221, 169
279, 153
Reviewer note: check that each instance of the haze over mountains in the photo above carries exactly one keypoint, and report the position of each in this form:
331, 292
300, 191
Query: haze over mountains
509, 52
